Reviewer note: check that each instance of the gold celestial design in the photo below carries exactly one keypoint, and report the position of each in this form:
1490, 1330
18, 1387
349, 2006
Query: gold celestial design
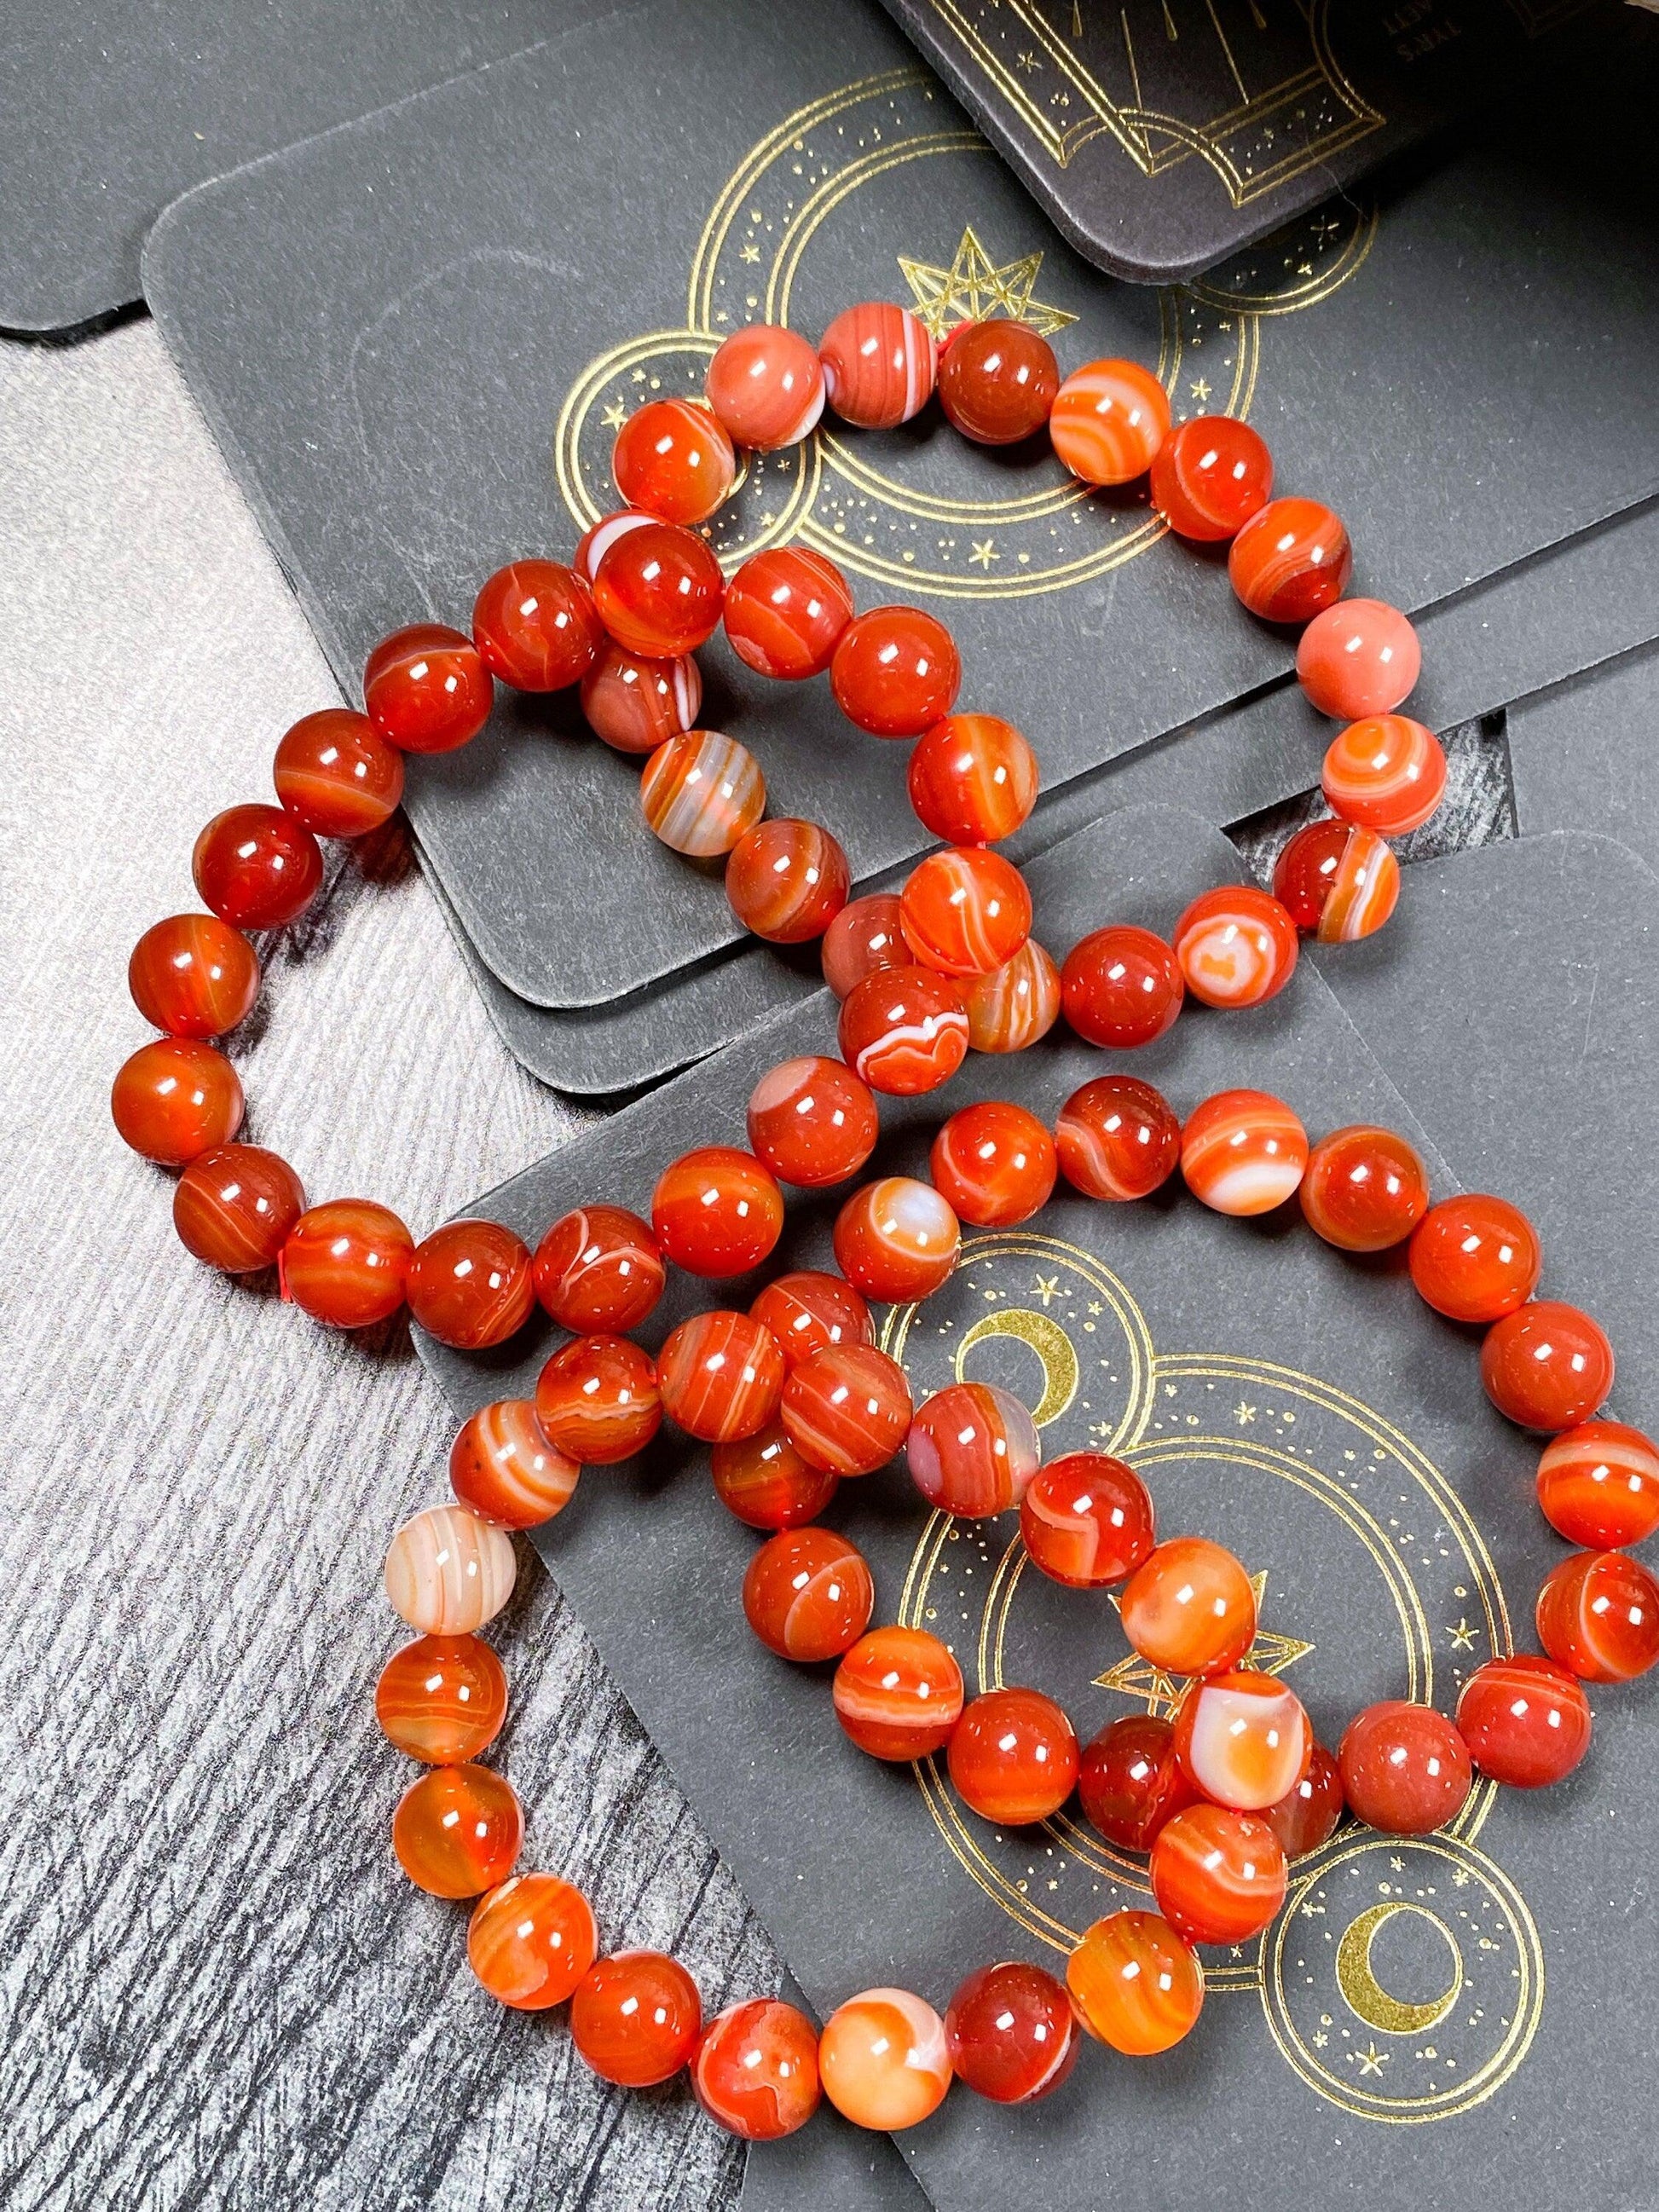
1357, 1978
975, 289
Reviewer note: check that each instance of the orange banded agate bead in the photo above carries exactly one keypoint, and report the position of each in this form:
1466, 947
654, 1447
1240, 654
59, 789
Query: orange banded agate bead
808, 1311
973, 779
879, 364
1405, 1769
1364, 1189
1525, 1720
1013, 1757
636, 701
898, 1239
1291, 560
1218, 1875
1108, 420
1243, 1739
1547, 1366
720, 1375
1086, 1520
502, 1467
847, 1409
1209, 477
1236, 946
598, 1400
716, 1210
1337, 881
864, 939
448, 1572
787, 880
1243, 1152
966, 911
1385, 772
177, 1098
972, 1449
1015, 1004
1189, 1608
1475, 1257
808, 1594
193, 976
673, 459
904, 1029
346, 1262
702, 793
766, 384
1360, 657
458, 1831
235, 1207
898, 1693
1598, 1485
535, 628
1134, 1985
755, 2069
636, 2018
1598, 1616
995, 1163
598, 1268
785, 611
764, 1481
884, 2060
442, 1698
469, 1284
531, 1940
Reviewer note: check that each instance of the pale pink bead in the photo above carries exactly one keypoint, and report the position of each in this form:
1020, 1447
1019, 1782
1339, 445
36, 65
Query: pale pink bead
448, 1572
766, 385
1360, 657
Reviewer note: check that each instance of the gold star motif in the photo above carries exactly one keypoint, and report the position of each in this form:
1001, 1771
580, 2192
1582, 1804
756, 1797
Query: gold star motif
1319, 2039
1372, 2060
984, 552
974, 289
613, 416
1095, 1309
1028, 61
750, 253
1046, 1288
1200, 391
1460, 1878
1463, 1636
1243, 1413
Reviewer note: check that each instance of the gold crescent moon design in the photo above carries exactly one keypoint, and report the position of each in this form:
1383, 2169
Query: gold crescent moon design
1366, 1994
1052, 1347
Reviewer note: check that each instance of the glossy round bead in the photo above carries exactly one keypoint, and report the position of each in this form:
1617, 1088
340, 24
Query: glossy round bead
972, 1449
973, 779
896, 671
635, 703
878, 365
1108, 420
531, 1941
1598, 1616
1189, 1608
659, 591
257, 866
1291, 561
1547, 1366
194, 976
809, 1312
1475, 1257
448, 1572
1209, 477
720, 1375
1011, 2031
1598, 1485
426, 689
998, 382
502, 1466
1236, 946
1306, 1816
235, 1207
755, 2069
702, 793
442, 1698
1525, 1720
847, 1409
1360, 657
1121, 987
535, 626
1386, 773
636, 2018
884, 2060
673, 459
1134, 1984
808, 1594
1130, 1781
598, 1267
1218, 1875
1016, 1003
864, 939
765, 385
716, 1212
1117, 1138
346, 1262
469, 1285
597, 540
1364, 1189
787, 880
1086, 1520
898, 1693
1243, 1740
1405, 1768
966, 911
458, 1831
1013, 1757
598, 1401
1243, 1152
904, 1031
896, 1239
764, 1481
785, 611
335, 773
813, 1121
1338, 882
995, 1163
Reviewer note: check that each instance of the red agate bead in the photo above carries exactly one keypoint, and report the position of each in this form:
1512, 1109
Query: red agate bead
1121, 987
442, 1698
896, 671
847, 1409
716, 1212
998, 381
766, 385
1109, 419
1009, 2028
469, 1284
755, 2068
1360, 657
702, 793
1598, 1485
236, 1207
194, 976
764, 1482
787, 880
636, 2018
598, 1401
1364, 1189
1013, 1757
1525, 1720
878, 365
884, 2060
1386, 773
636, 703
658, 590
1291, 561
1134, 1984
1236, 946
1598, 1616
995, 1163
898, 1239
904, 1031
1337, 881
808, 1594
1546, 1365
535, 626
597, 540
1243, 1152
1475, 1258
1244, 1739
1218, 1875
785, 611
1117, 1138
1209, 477
458, 1831
973, 779
531, 1941
176, 1099
426, 689
335, 773
1189, 1608
598, 1267
673, 459
346, 1262
1130, 1781
864, 939
257, 866
972, 1449
808, 1312
1306, 1816
1086, 1520
720, 1375
1405, 1768
898, 1693
966, 911
1016, 1003
502, 1467
813, 1121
